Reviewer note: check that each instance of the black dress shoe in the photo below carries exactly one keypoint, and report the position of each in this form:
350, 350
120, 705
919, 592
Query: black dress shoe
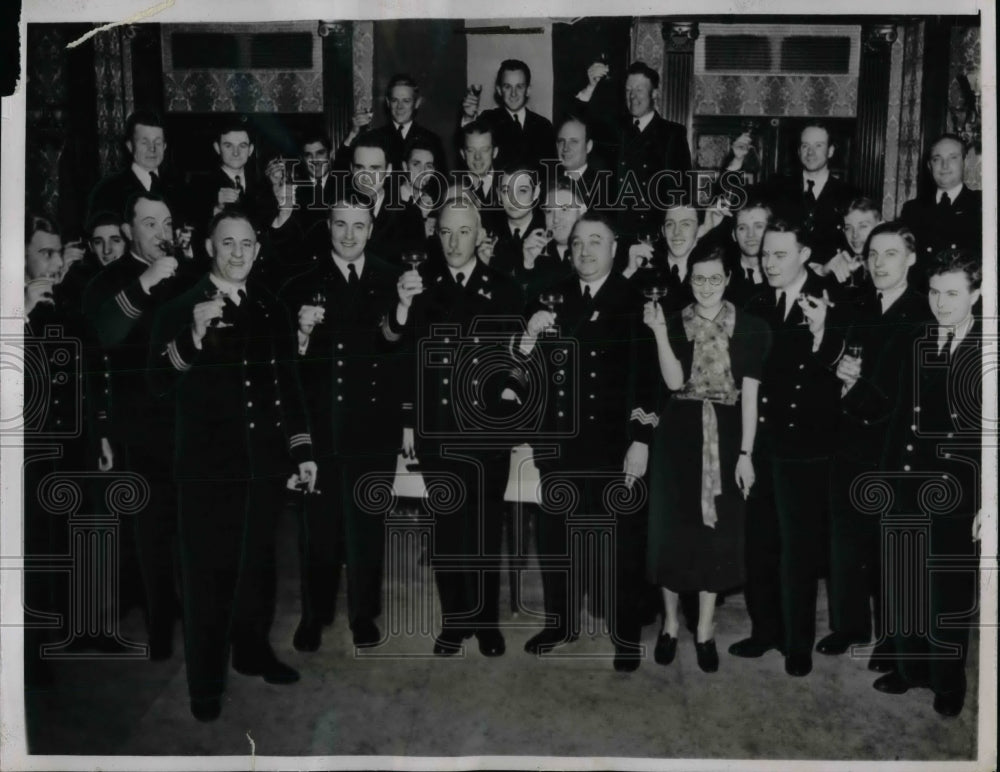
837, 643
547, 640
491, 643
450, 642
666, 649
365, 633
206, 708
949, 703
891, 683
798, 665
708, 656
751, 648
268, 666
627, 657
308, 635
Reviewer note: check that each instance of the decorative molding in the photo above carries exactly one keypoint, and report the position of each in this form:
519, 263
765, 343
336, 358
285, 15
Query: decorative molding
894, 108
874, 71
363, 56
679, 36
335, 28
879, 37
113, 80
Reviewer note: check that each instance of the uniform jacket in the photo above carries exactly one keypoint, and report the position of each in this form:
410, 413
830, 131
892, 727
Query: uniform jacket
113, 192
936, 229
530, 144
823, 220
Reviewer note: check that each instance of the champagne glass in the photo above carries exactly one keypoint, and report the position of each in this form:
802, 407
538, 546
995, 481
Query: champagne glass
552, 302
414, 259
855, 350
477, 89
654, 292
218, 322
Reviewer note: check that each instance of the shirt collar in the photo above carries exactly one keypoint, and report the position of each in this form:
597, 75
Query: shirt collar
960, 330
466, 271
521, 114
143, 175
377, 206
819, 179
227, 288
680, 262
644, 120
952, 194
891, 296
575, 173
404, 126
232, 175
341, 263
793, 291
142, 260
595, 286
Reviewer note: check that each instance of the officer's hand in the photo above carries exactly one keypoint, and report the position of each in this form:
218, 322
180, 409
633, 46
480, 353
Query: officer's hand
38, 291
470, 105
652, 316
410, 285
409, 445
71, 252
307, 474
202, 315
484, 249
275, 172
534, 243
106, 460
636, 461
841, 265
639, 256
309, 317
228, 196
849, 370
539, 322
161, 268
596, 72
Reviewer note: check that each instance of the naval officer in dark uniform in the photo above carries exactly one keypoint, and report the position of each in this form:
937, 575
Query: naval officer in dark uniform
224, 351
353, 382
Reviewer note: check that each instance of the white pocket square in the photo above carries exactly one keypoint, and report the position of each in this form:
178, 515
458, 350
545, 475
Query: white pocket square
593, 318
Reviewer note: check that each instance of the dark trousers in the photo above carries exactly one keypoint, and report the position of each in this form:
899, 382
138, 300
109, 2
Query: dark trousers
155, 530
468, 539
227, 553
855, 557
785, 548
589, 548
333, 529
931, 604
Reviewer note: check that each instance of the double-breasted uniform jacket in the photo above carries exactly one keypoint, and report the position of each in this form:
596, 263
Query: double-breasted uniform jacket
865, 408
352, 375
822, 219
460, 323
600, 403
937, 227
120, 314
240, 412
799, 391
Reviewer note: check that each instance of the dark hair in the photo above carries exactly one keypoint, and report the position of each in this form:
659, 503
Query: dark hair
521, 165
34, 223
817, 125
372, 141
353, 199
753, 203
233, 124
316, 135
863, 204
716, 252
574, 118
129, 212
953, 138
421, 144
565, 186
402, 79
229, 212
144, 117
781, 225
955, 260
641, 68
101, 219
600, 217
478, 126
683, 201
894, 228
514, 65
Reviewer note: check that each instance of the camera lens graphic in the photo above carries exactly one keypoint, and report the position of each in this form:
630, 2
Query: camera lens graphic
481, 374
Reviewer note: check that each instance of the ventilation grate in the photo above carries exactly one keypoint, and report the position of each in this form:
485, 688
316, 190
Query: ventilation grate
815, 54
748, 53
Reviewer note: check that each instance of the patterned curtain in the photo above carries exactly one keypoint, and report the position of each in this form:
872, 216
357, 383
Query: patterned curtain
45, 118
113, 74
648, 47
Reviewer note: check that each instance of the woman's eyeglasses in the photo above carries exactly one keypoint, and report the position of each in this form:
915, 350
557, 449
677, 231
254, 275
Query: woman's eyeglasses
715, 281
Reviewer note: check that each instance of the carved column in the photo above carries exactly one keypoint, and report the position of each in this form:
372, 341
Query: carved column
338, 66
678, 70
873, 95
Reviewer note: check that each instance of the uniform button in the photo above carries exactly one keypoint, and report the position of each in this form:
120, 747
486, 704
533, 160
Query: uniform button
58, 422
107, 375
475, 340
340, 345
592, 353
249, 404
251, 424
447, 340
947, 455
340, 363
340, 380
446, 360
272, 361
244, 361
55, 402
593, 375
802, 367
913, 427
562, 393
277, 402
475, 361
444, 401
246, 383
373, 383
340, 398
561, 372
590, 417
916, 408
792, 406
761, 419
373, 399
909, 447
791, 426
444, 381
560, 413
764, 400
277, 423
951, 435
475, 382
374, 364
798, 386
906, 467
105, 391
954, 416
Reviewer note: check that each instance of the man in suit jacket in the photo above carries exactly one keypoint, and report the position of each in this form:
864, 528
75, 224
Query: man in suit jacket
950, 215
398, 225
119, 304
651, 153
608, 431
932, 396
479, 178
518, 217
223, 353
662, 257
402, 101
315, 185
518, 133
146, 145
814, 197
886, 311
451, 317
786, 510
581, 167
746, 276
353, 388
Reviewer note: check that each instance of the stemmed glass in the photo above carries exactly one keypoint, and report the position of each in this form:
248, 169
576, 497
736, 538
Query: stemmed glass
552, 302
414, 259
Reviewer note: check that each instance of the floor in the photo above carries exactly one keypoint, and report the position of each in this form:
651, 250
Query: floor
398, 700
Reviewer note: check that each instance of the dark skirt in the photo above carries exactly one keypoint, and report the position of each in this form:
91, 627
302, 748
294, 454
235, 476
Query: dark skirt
685, 555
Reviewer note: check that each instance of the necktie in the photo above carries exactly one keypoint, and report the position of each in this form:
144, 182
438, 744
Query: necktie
945, 202
675, 273
517, 122
587, 297
399, 130
635, 125
318, 199
154, 182
780, 305
750, 275
945, 353
810, 191
239, 185
517, 234
878, 297
460, 279
352, 275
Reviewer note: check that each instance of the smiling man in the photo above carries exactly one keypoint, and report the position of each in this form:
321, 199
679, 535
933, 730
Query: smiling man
749, 226
223, 353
